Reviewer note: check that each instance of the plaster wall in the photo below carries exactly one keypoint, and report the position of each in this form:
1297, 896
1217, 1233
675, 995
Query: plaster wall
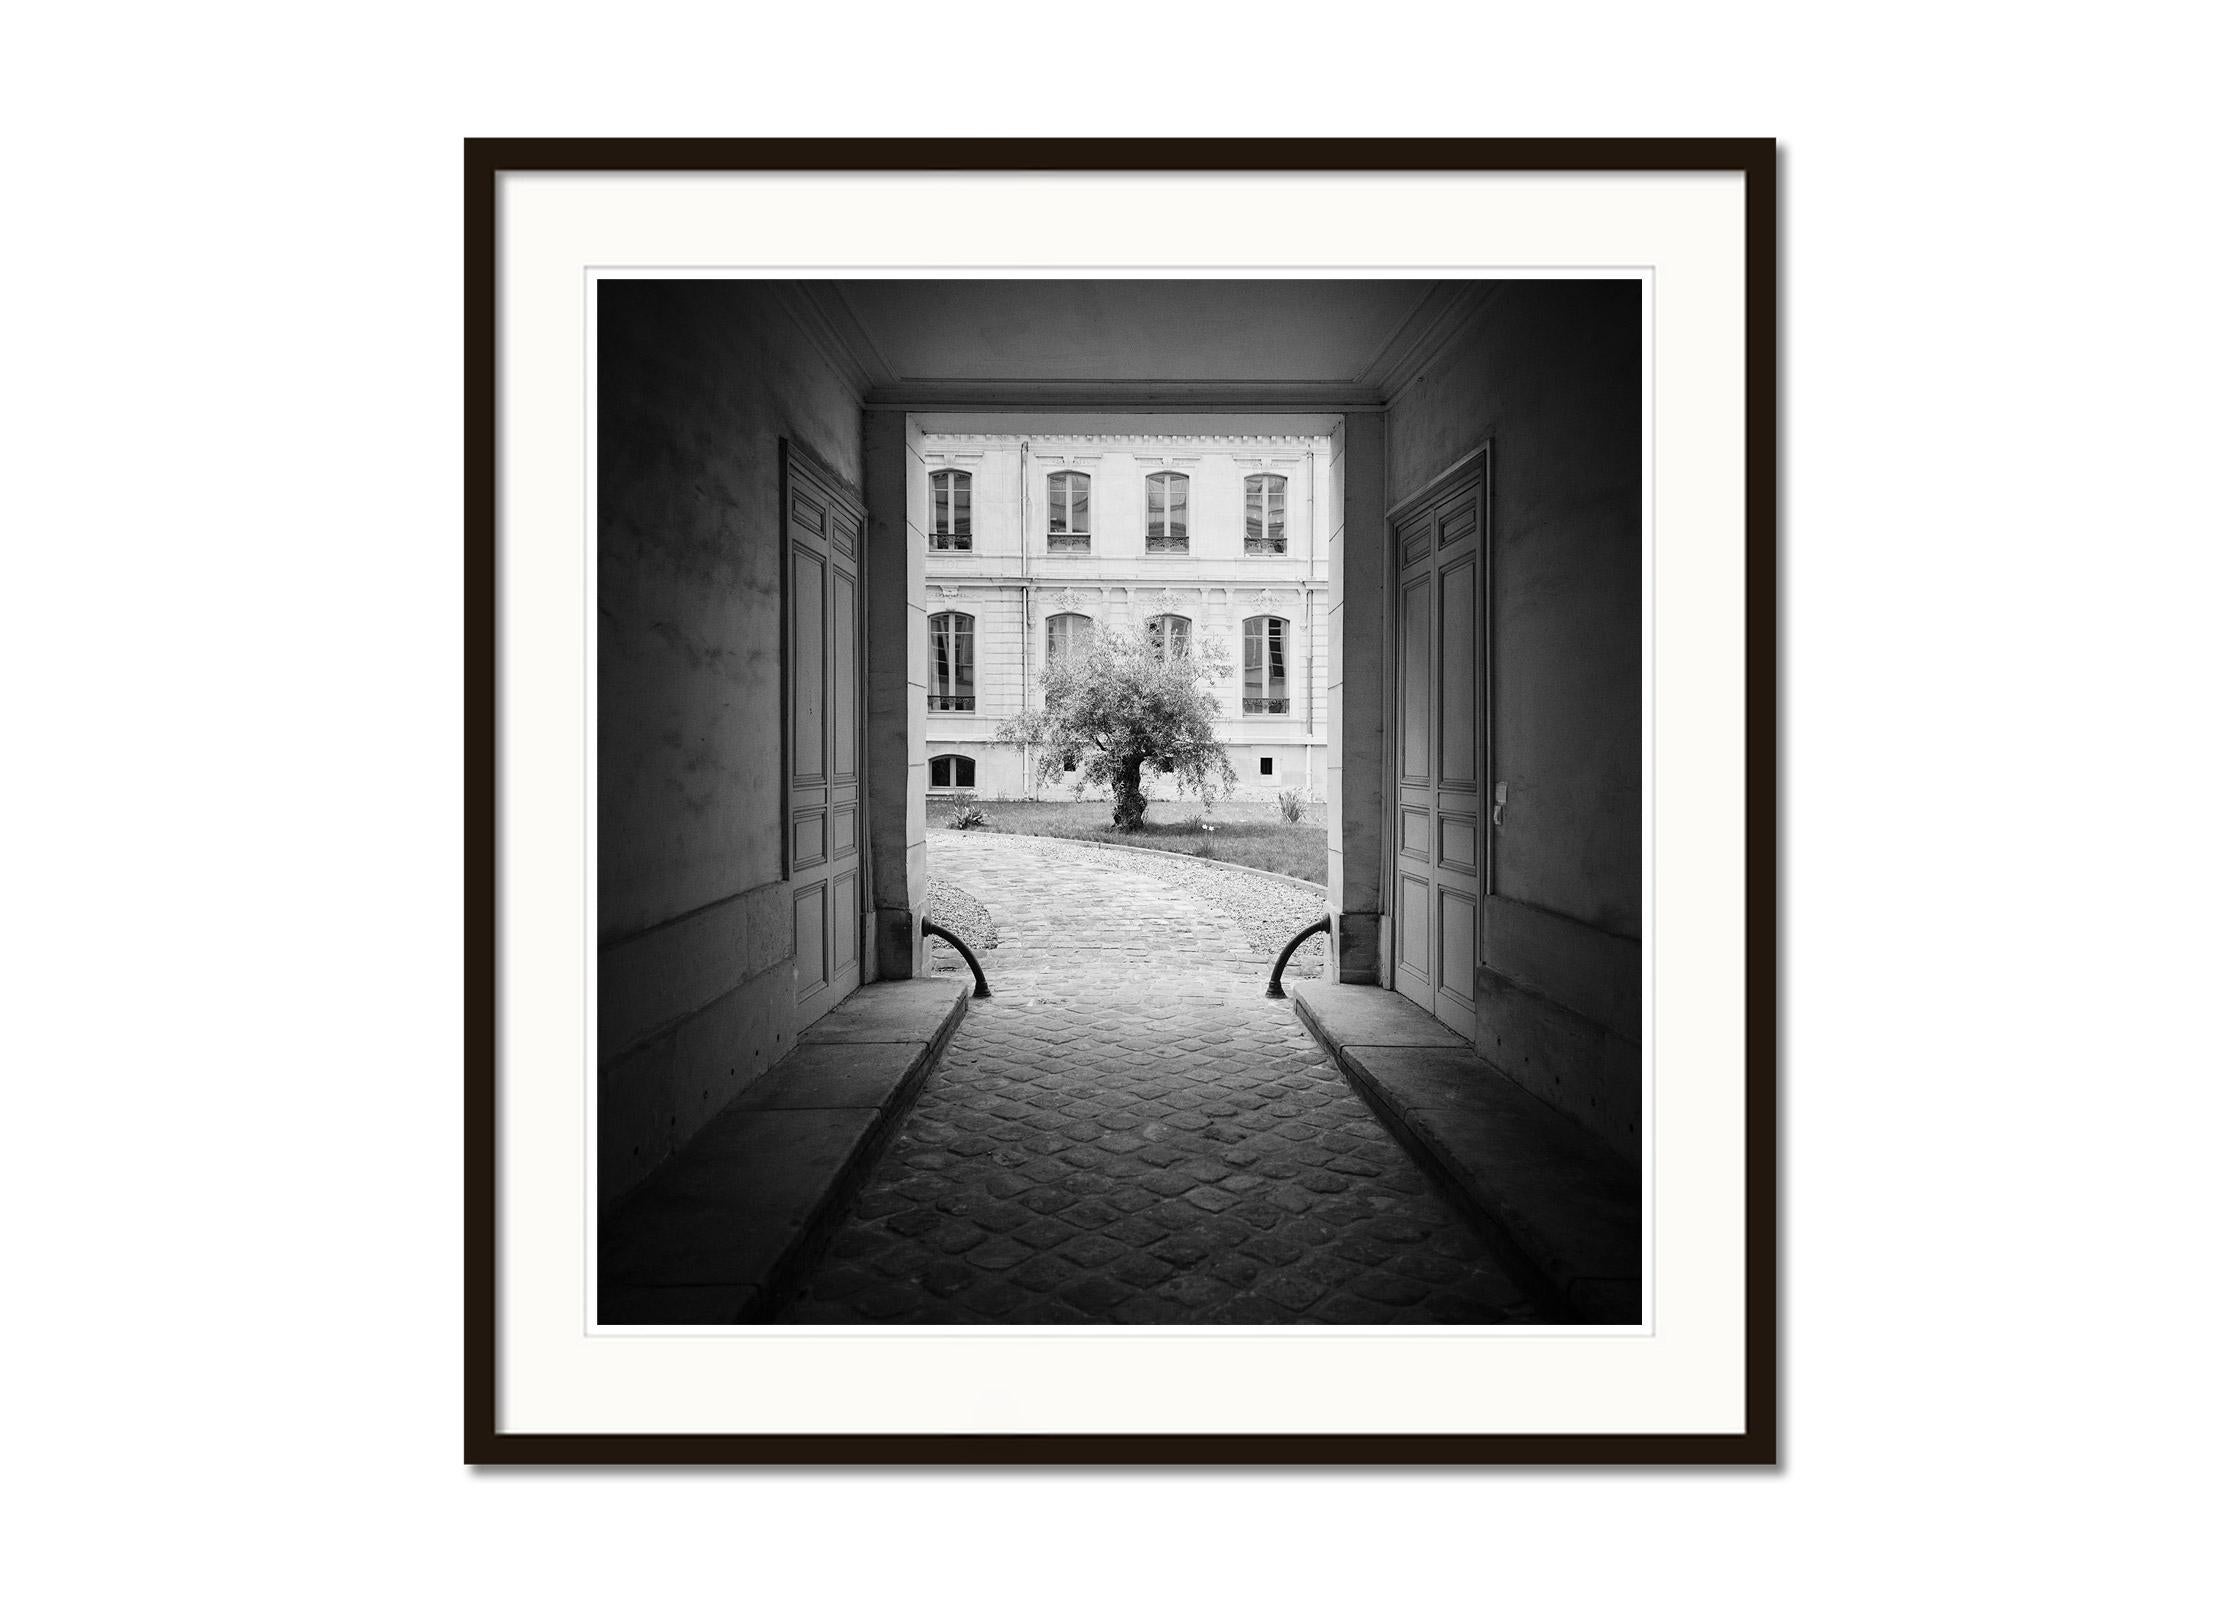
1551, 372
698, 383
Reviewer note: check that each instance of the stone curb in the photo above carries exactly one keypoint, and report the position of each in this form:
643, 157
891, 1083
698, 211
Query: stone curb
1551, 1200
720, 1230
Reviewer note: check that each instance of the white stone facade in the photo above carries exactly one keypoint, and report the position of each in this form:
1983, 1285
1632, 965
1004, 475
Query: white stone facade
1019, 572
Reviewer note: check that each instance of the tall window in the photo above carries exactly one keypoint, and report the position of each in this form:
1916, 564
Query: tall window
1263, 514
1170, 636
952, 772
1067, 632
952, 511
949, 662
1069, 513
1166, 526
1266, 686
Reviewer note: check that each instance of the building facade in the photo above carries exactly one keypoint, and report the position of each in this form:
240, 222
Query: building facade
1035, 539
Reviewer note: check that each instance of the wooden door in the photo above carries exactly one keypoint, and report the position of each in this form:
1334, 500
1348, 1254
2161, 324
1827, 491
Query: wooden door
1439, 838
824, 768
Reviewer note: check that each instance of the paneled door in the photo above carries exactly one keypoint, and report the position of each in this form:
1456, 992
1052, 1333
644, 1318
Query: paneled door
1439, 835
824, 767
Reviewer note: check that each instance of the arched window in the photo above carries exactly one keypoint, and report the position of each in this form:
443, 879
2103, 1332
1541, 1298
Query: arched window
1263, 514
952, 772
1166, 516
1267, 689
949, 662
1069, 513
1067, 632
1170, 636
952, 511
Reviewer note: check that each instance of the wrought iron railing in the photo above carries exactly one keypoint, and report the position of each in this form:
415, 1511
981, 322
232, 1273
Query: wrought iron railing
949, 702
1154, 545
934, 930
1264, 547
1272, 708
1069, 544
1275, 978
952, 541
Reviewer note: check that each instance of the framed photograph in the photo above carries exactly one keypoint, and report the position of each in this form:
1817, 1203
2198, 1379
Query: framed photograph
1122, 801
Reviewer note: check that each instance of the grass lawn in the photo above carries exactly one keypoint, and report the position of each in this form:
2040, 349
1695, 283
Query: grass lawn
1247, 834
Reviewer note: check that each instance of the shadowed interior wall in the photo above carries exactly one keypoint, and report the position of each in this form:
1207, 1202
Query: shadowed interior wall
698, 382
1551, 372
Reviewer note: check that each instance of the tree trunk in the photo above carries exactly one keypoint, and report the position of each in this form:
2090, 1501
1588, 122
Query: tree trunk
1128, 803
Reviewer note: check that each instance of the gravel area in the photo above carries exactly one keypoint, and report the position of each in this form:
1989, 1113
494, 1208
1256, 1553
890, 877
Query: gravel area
960, 913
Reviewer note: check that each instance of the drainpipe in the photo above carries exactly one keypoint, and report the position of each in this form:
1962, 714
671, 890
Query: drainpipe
1307, 644
1026, 611
1026, 677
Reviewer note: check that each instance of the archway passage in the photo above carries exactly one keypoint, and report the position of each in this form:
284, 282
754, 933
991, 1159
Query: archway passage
1128, 1133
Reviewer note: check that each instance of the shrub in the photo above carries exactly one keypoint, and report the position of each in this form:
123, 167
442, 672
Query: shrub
1290, 802
964, 816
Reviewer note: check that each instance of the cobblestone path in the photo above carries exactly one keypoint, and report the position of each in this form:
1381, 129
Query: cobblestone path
1126, 1132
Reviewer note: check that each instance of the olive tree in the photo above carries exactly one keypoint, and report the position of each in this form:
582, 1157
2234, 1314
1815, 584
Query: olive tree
1120, 700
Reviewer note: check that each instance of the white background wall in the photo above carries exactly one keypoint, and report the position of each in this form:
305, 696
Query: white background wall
233, 960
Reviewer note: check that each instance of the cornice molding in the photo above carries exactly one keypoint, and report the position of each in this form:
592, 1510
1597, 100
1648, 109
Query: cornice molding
1125, 394
1438, 320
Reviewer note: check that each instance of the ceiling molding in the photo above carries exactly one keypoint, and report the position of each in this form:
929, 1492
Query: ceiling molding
1405, 332
1128, 394
799, 301
1438, 318
842, 325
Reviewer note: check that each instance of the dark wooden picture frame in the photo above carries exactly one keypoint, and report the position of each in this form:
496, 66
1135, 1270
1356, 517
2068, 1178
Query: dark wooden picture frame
487, 163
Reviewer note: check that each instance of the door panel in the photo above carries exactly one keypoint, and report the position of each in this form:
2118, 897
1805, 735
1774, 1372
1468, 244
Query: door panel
824, 531
1439, 865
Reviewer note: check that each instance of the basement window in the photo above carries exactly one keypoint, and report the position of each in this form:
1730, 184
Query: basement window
952, 772
1267, 766
952, 511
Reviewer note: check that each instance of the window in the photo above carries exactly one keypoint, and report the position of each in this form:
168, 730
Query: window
1166, 525
1067, 632
1263, 514
949, 662
1265, 687
1069, 513
1267, 766
952, 511
1069, 763
952, 772
1170, 636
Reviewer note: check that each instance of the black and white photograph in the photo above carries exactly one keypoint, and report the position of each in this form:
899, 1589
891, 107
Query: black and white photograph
1119, 800
1301, 802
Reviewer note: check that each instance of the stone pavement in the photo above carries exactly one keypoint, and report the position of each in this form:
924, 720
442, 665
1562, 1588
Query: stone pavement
1128, 1133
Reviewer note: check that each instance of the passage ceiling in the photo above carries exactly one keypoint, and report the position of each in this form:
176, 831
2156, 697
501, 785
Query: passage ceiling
1296, 340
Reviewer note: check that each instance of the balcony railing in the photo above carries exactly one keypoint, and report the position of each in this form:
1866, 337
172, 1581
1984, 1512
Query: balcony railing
1154, 545
1069, 544
952, 541
1264, 547
1268, 708
949, 702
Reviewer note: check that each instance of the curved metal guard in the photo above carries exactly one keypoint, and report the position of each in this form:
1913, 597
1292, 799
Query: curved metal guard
934, 930
1275, 978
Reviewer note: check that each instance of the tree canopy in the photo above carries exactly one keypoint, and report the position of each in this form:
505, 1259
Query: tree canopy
1122, 699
